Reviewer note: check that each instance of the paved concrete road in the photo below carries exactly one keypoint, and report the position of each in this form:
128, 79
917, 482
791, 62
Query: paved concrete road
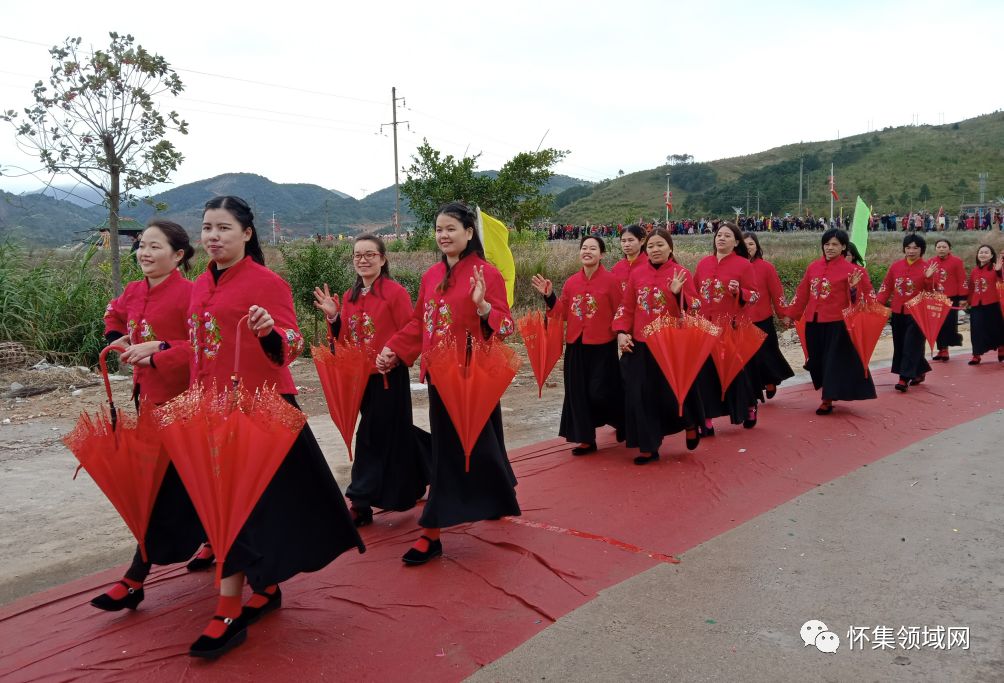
913, 540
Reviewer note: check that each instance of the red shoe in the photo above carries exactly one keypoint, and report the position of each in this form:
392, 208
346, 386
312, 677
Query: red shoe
975, 360
942, 355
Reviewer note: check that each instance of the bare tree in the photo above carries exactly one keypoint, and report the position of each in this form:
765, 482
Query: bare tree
98, 120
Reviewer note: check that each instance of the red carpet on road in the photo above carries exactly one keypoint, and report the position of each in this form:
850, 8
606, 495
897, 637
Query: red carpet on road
588, 523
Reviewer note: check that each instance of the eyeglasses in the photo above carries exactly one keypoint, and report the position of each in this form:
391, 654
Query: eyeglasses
367, 256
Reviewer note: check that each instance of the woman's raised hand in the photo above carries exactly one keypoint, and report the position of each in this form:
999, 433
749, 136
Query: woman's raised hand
677, 281
325, 302
478, 286
542, 285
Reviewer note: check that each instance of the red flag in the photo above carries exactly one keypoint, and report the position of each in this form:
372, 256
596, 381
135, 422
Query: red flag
865, 321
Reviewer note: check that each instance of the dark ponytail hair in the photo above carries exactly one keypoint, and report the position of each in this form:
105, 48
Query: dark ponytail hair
637, 231
357, 288
239, 209
469, 220
177, 238
740, 248
752, 236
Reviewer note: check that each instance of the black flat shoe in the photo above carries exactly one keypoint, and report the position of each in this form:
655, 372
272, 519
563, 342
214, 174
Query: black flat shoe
415, 557
361, 516
252, 614
201, 564
770, 392
211, 648
693, 442
584, 450
750, 422
645, 459
705, 431
620, 435
824, 408
918, 380
129, 601
901, 386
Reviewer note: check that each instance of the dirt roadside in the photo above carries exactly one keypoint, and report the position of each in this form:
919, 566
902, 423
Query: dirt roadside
54, 529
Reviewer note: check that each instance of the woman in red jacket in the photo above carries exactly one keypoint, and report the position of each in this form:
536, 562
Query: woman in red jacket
904, 280
148, 322
768, 368
950, 280
985, 324
389, 470
461, 297
726, 287
633, 245
594, 393
830, 285
659, 287
301, 522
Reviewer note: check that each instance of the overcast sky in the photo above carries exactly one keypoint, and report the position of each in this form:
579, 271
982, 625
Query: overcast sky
297, 92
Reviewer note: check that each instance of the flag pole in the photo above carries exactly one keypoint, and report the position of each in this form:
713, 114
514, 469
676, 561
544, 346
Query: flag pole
832, 183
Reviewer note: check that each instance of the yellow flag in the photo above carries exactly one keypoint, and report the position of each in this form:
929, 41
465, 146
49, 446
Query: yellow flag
495, 238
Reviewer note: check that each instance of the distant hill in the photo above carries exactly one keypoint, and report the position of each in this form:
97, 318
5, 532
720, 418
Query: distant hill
300, 209
888, 168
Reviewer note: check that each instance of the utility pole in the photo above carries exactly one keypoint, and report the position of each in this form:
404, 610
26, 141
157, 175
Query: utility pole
758, 202
801, 162
397, 184
747, 202
326, 232
667, 199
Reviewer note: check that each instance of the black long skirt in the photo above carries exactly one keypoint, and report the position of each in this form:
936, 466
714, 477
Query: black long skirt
390, 469
834, 364
986, 327
768, 365
300, 524
651, 410
594, 391
949, 335
908, 342
488, 491
739, 397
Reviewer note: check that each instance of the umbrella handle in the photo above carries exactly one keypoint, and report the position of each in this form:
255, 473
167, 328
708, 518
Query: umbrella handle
103, 363
237, 351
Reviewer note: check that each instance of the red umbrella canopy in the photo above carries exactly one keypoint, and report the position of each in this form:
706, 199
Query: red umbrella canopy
739, 341
227, 446
126, 461
544, 338
929, 309
344, 372
470, 379
680, 347
800, 328
865, 321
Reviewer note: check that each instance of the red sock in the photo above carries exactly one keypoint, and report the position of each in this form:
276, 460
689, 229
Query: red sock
118, 591
708, 424
258, 600
205, 552
422, 544
228, 606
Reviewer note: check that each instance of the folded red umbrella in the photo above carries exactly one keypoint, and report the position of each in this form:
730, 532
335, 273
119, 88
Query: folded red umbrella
929, 309
739, 341
1000, 296
344, 371
544, 338
681, 346
470, 379
800, 329
865, 321
124, 456
227, 444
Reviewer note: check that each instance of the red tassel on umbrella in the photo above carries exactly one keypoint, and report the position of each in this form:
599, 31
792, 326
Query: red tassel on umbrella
124, 457
929, 309
681, 346
739, 341
865, 321
544, 338
344, 371
227, 445
470, 379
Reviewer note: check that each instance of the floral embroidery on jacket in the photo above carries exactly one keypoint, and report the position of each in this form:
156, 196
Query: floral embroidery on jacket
361, 328
712, 290
590, 306
820, 288
904, 286
505, 327
643, 299
295, 342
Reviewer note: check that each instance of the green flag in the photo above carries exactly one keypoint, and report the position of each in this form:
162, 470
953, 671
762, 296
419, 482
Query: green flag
859, 228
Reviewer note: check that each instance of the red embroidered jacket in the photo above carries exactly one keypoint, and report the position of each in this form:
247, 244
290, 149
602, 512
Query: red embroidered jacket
950, 278
622, 269
442, 314
768, 285
589, 304
903, 282
648, 297
712, 282
143, 314
982, 285
215, 310
374, 317
825, 292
